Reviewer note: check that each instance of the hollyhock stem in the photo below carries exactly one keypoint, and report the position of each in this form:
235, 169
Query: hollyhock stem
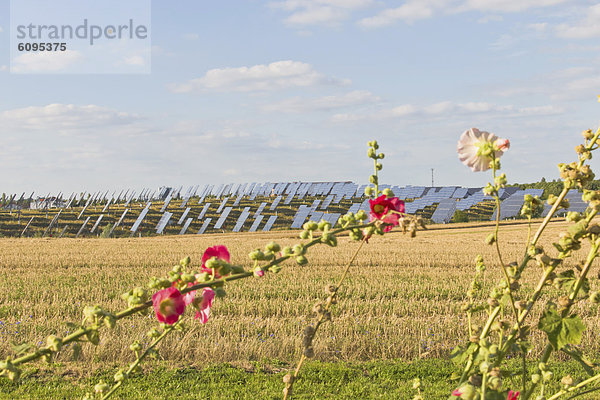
321, 319
137, 362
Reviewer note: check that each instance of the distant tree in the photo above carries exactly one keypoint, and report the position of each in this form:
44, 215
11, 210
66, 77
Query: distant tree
460, 216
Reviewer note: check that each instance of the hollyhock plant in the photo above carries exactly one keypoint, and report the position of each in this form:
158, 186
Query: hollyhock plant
203, 306
475, 148
219, 252
168, 305
386, 209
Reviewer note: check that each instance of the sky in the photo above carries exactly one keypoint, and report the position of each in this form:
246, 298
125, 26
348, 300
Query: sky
292, 90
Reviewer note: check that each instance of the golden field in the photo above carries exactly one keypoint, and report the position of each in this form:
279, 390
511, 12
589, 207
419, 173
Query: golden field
402, 299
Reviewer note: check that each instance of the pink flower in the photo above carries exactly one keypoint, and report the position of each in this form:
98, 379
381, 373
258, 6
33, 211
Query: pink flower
512, 395
168, 305
203, 306
386, 209
470, 143
219, 252
457, 393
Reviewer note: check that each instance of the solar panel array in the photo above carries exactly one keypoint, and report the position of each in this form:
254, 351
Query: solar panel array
511, 207
242, 218
223, 217
162, 223
575, 204
270, 223
444, 211
300, 217
204, 226
275, 203
256, 223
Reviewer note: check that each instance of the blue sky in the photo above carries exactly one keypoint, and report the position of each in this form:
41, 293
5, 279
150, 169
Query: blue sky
285, 90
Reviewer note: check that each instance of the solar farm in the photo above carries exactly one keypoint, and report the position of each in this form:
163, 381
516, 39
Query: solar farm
247, 207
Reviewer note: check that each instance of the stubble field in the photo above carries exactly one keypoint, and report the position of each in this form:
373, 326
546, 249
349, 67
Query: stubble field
401, 302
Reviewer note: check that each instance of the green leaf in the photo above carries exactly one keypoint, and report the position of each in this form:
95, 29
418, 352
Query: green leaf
561, 331
567, 280
460, 354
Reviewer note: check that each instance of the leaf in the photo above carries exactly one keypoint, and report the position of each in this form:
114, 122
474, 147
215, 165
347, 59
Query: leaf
460, 354
561, 331
567, 280
578, 356
21, 348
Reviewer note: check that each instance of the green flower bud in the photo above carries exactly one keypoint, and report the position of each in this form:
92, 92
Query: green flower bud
324, 225
301, 260
110, 321
220, 292
369, 191
54, 343
378, 166
213, 262
416, 383
310, 226
361, 215
381, 156
101, 388
185, 261
287, 251
490, 239
188, 278
299, 250
371, 153
120, 376
375, 145
304, 235
373, 179
153, 333
177, 269
93, 336
536, 378
135, 346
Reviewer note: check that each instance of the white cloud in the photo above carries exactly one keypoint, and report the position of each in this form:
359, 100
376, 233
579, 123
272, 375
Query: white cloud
274, 76
410, 11
490, 18
507, 5
314, 12
447, 108
325, 103
45, 61
587, 27
64, 118
413, 10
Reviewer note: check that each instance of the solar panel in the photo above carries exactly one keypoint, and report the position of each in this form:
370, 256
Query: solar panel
204, 226
204, 210
332, 218
300, 216
140, 218
162, 223
354, 208
260, 209
270, 223
52, 223
511, 207
316, 216
575, 204
444, 211
256, 223
222, 205
167, 201
27, 226
223, 217
275, 203
249, 189
82, 211
118, 222
186, 226
241, 219
314, 205
97, 223
237, 200
82, 226
326, 202
185, 213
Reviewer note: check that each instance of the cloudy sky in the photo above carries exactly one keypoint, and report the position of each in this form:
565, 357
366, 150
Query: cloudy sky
285, 90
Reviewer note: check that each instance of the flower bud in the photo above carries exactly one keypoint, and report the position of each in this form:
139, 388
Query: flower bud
289, 378
220, 292
304, 235
135, 346
361, 215
310, 226
301, 260
369, 191
588, 134
185, 261
378, 166
567, 380
54, 343
490, 239
373, 179
120, 376
101, 387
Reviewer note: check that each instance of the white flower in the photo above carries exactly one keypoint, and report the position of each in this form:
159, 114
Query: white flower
475, 147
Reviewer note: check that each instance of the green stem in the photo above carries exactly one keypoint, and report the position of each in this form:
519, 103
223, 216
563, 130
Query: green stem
137, 362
